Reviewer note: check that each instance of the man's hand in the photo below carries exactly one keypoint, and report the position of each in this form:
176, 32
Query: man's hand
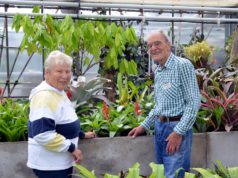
174, 140
89, 135
78, 155
136, 131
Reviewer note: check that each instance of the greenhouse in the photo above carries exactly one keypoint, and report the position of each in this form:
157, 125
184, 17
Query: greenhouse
114, 89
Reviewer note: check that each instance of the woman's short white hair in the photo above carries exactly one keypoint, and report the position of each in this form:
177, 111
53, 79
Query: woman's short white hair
57, 58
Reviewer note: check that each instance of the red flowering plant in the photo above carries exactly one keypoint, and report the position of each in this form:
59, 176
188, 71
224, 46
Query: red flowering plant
105, 111
137, 108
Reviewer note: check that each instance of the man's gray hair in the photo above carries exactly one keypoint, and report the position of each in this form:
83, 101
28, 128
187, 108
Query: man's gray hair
160, 32
165, 36
57, 58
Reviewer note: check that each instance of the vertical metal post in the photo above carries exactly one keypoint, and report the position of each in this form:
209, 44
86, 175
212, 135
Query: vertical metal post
172, 36
7, 53
43, 51
202, 25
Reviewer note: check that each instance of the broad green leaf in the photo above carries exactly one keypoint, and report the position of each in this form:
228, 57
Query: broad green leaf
134, 171
66, 24
90, 29
112, 133
133, 67
85, 172
157, 170
113, 29
17, 22
134, 37
23, 43
128, 34
206, 173
47, 39
49, 23
233, 171
108, 33
189, 175
119, 108
86, 61
136, 165
122, 67
101, 29
125, 66
118, 40
27, 25
221, 169
110, 176
113, 54
36, 9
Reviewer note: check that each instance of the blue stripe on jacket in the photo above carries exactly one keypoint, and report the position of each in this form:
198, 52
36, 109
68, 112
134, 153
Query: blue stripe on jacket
41, 125
68, 130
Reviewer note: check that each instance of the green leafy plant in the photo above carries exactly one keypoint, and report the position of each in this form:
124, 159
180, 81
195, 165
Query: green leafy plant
90, 43
113, 120
84, 40
84, 173
128, 91
13, 120
220, 171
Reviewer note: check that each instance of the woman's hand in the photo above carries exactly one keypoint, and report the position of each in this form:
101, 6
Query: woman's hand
78, 155
89, 135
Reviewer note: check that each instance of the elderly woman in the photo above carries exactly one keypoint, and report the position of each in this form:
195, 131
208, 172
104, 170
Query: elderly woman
53, 127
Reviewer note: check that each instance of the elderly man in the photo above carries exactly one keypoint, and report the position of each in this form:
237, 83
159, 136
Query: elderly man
53, 127
177, 100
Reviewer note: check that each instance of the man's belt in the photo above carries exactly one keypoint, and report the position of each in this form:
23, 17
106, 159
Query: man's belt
169, 119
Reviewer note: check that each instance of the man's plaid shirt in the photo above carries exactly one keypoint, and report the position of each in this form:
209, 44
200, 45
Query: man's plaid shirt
176, 93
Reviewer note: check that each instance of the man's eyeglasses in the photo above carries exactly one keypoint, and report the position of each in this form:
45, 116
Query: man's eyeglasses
155, 43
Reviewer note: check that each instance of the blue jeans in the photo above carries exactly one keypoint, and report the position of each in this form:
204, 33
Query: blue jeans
176, 160
67, 173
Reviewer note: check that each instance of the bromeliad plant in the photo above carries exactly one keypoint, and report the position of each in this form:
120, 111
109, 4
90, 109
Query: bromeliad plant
224, 109
220, 103
82, 91
219, 90
133, 172
220, 171
13, 120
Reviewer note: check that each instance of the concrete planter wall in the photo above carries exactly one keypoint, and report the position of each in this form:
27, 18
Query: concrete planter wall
115, 154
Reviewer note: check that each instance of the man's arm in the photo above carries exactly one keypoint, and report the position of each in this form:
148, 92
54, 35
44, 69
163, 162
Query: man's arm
192, 104
192, 98
150, 119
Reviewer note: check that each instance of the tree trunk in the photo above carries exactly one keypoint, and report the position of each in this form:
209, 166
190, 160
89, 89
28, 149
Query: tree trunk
110, 93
